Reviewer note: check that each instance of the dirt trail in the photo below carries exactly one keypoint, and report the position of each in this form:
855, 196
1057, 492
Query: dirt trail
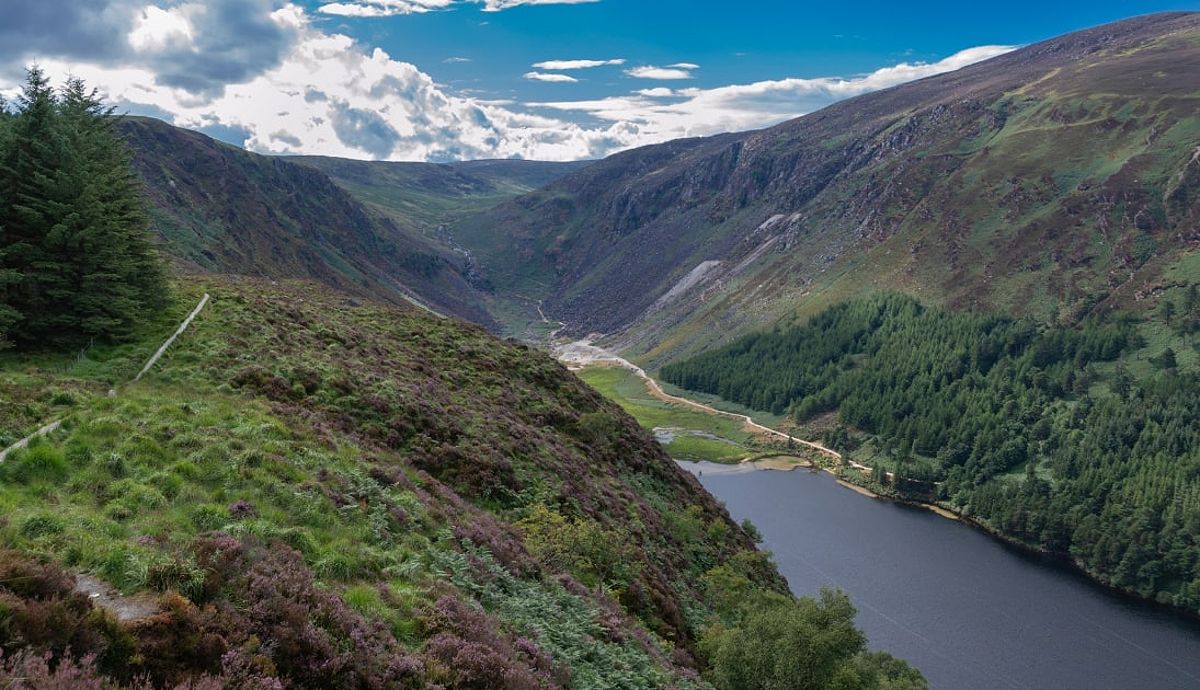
582, 353
124, 608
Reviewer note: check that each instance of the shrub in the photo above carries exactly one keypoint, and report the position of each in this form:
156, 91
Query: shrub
42, 525
782, 643
39, 462
208, 516
468, 650
44, 618
241, 509
29, 671
176, 575
597, 556
61, 398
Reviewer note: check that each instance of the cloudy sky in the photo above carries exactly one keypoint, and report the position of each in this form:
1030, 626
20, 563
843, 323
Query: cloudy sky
547, 79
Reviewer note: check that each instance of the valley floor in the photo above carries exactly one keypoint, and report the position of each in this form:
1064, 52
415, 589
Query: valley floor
699, 431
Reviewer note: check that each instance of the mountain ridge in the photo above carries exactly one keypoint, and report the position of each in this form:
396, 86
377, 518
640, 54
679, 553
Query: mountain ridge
219, 208
918, 169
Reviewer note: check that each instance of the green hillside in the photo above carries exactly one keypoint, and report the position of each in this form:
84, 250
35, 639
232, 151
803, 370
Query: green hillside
334, 493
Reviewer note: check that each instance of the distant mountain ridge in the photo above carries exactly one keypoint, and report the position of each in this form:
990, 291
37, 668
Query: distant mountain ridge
221, 209
1054, 180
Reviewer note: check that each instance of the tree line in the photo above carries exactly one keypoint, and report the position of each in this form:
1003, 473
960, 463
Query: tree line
1040, 431
76, 260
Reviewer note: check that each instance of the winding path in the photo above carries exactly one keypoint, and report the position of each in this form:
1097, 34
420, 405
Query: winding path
582, 353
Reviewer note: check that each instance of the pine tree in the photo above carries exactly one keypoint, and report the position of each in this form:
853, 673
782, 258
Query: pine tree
8, 315
76, 262
32, 206
119, 275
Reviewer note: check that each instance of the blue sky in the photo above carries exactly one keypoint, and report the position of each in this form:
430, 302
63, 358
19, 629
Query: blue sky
732, 42
454, 79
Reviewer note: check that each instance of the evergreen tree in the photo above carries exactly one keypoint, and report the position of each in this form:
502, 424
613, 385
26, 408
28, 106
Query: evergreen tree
8, 277
76, 262
969, 400
119, 274
29, 171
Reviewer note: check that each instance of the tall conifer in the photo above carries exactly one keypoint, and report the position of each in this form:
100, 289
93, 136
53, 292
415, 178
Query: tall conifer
76, 262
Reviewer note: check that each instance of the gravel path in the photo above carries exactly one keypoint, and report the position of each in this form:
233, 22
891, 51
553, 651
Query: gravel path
581, 353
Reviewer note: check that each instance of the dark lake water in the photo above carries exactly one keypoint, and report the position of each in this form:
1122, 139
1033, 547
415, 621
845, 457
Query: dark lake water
967, 610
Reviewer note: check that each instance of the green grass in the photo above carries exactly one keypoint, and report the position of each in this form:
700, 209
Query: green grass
686, 447
627, 390
37, 387
126, 488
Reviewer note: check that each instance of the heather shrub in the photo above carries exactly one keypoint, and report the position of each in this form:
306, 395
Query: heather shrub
315, 638
182, 640
468, 649
42, 617
29, 671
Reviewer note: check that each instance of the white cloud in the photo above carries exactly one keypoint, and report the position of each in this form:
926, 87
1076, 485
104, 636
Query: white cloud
663, 73
382, 8
498, 5
305, 89
685, 65
155, 28
543, 76
752, 106
330, 95
391, 8
576, 64
456, 60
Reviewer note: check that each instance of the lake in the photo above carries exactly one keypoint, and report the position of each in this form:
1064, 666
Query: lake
966, 609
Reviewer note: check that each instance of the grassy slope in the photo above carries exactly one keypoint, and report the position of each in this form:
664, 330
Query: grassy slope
1046, 211
392, 450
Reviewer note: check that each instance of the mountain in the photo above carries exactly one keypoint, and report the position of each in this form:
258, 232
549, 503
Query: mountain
1054, 181
315, 484
221, 209
424, 195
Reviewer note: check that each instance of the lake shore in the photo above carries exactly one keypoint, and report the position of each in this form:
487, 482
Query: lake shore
582, 354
